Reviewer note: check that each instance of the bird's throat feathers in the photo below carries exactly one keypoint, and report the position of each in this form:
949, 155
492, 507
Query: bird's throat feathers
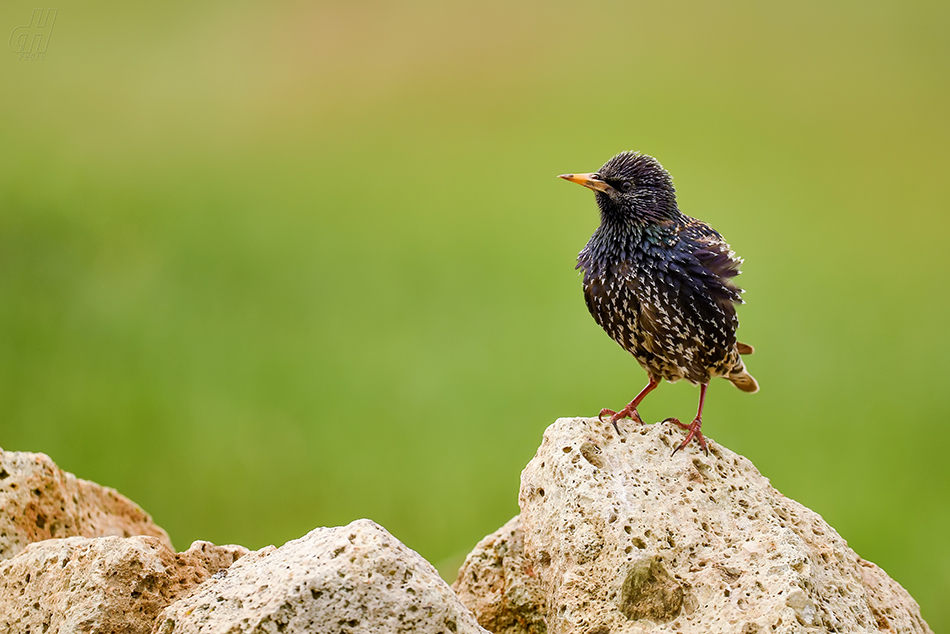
648, 206
616, 243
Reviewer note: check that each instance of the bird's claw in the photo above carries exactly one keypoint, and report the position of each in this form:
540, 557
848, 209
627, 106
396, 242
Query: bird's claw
694, 432
626, 412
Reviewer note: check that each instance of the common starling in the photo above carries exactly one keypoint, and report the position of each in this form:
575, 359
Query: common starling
660, 283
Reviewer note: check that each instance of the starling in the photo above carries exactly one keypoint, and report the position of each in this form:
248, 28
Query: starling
660, 284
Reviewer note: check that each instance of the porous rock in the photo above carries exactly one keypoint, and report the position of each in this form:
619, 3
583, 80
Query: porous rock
623, 538
500, 586
355, 578
102, 584
38, 501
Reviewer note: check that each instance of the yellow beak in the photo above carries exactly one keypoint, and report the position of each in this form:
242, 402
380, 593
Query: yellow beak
591, 181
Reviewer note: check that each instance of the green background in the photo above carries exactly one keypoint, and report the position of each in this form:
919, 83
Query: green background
267, 267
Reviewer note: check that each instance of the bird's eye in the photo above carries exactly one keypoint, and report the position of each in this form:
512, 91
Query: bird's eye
626, 186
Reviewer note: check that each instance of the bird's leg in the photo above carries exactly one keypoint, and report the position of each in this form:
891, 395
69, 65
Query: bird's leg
694, 426
631, 408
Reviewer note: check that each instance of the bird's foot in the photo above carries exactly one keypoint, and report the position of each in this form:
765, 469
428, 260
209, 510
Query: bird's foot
626, 412
693, 433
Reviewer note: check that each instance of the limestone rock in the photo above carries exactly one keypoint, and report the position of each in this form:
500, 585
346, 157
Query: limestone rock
500, 586
623, 538
38, 501
355, 578
103, 584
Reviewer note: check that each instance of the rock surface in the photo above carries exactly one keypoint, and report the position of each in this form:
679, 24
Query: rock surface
355, 578
103, 584
500, 586
620, 537
38, 501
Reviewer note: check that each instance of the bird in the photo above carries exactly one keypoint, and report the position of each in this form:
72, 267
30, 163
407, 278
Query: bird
660, 283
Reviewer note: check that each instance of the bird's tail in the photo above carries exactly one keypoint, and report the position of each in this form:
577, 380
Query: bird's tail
740, 377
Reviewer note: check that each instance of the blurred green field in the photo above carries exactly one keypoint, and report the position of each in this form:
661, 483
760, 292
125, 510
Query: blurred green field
270, 267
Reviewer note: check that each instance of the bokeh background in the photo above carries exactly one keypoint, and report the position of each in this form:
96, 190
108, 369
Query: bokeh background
267, 267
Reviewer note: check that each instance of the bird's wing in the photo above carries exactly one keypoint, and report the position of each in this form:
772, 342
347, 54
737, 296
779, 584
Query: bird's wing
688, 313
711, 260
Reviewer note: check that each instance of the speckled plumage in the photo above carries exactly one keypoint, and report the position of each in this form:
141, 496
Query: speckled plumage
660, 283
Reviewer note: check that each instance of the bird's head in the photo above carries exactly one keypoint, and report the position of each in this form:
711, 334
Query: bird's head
631, 189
